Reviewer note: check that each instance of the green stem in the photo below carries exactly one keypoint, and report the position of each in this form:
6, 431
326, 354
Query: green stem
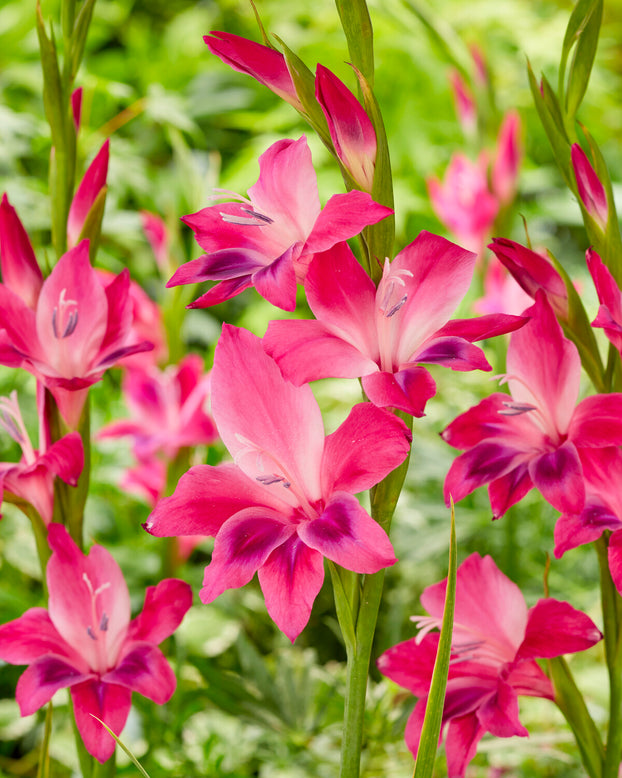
612, 606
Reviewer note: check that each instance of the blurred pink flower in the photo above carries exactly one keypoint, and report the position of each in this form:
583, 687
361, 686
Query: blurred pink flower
466, 110
591, 190
496, 640
90, 190
508, 156
85, 641
502, 294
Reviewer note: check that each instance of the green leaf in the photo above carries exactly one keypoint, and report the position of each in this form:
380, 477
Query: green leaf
357, 27
78, 38
431, 729
585, 52
43, 770
91, 228
570, 701
551, 117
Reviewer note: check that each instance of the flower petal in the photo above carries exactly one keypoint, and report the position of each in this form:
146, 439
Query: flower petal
555, 628
32, 635
144, 669
45, 676
559, 477
347, 535
20, 271
499, 714
290, 580
276, 282
165, 606
408, 389
110, 703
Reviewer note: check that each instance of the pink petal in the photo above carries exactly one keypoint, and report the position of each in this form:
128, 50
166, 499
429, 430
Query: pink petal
526, 678
144, 669
20, 271
72, 314
225, 290
242, 546
591, 190
19, 321
482, 327
365, 448
120, 312
65, 458
85, 591
615, 559
544, 367
290, 580
455, 353
414, 725
499, 714
597, 421
507, 158
555, 628
93, 181
267, 424
276, 282
509, 489
606, 286
411, 664
205, 498
559, 477
408, 390
165, 606
347, 535
45, 676
110, 703
573, 530
343, 217
463, 736
32, 635
308, 350
439, 275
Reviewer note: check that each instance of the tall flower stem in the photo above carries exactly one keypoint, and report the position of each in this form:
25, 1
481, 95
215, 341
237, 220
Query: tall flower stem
362, 615
612, 612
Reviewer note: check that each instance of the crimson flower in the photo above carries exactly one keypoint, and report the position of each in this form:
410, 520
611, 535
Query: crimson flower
494, 644
590, 188
609, 316
533, 436
85, 641
287, 500
382, 335
268, 239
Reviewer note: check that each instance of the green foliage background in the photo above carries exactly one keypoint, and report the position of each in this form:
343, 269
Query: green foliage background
181, 122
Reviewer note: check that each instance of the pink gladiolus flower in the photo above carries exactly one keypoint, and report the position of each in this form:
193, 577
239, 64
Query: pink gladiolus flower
610, 298
89, 189
167, 409
32, 479
533, 436
502, 294
76, 107
77, 331
532, 271
351, 130
287, 499
496, 640
507, 159
85, 641
266, 65
382, 335
20, 271
466, 109
157, 235
268, 239
463, 202
591, 190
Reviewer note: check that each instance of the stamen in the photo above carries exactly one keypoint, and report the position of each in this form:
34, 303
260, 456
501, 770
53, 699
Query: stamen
90, 633
390, 283
64, 321
268, 480
103, 624
516, 409
254, 218
396, 307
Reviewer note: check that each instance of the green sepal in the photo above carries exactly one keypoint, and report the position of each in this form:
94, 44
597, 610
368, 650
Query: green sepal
262, 29
578, 329
92, 226
570, 701
552, 120
582, 31
358, 30
379, 237
78, 37
304, 83
53, 101
345, 591
431, 730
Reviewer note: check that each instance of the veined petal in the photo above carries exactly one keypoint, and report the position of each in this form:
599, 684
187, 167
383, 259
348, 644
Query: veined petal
290, 580
43, 678
110, 703
242, 546
509, 489
573, 530
205, 498
499, 714
527, 679
463, 736
65, 458
346, 534
482, 327
225, 290
20, 271
268, 425
276, 282
72, 314
343, 217
220, 265
559, 477
144, 669
33, 635
309, 350
555, 628
456, 353
597, 421
165, 606
365, 448
408, 390
436, 275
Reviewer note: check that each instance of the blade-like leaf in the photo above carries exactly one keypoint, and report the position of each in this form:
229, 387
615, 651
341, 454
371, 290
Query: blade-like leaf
359, 34
120, 743
78, 38
583, 58
431, 730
